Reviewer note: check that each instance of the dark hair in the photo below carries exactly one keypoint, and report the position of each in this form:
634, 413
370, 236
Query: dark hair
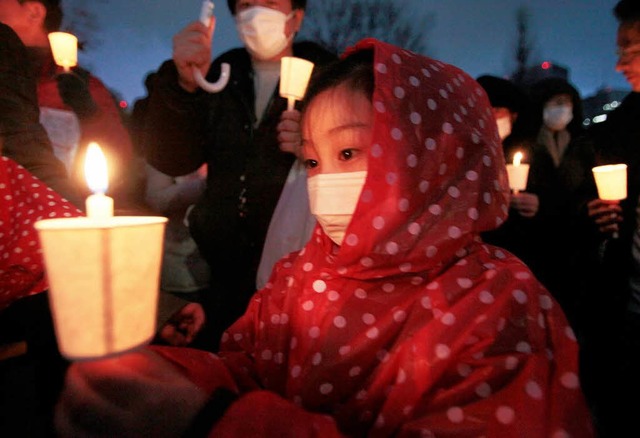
355, 71
295, 4
503, 93
627, 11
53, 20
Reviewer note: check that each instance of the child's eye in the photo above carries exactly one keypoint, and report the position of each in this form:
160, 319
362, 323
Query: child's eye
347, 154
310, 164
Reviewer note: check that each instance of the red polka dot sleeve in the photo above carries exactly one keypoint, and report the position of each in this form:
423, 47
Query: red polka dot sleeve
24, 200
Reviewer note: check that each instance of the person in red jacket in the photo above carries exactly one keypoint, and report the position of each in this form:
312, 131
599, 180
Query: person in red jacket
76, 108
395, 319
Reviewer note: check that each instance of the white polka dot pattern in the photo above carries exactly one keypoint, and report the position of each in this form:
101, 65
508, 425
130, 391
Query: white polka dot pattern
24, 201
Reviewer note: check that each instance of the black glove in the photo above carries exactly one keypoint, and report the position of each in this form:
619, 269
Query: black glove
74, 91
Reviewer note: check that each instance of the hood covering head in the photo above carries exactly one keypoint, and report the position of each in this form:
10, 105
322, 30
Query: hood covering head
25, 200
436, 173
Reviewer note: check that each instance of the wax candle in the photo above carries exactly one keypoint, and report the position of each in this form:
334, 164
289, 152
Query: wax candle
98, 205
517, 173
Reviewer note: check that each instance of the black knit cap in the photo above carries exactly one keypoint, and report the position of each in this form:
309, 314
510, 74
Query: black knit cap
503, 93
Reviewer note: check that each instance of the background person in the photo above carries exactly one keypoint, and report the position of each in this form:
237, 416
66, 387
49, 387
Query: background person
76, 107
243, 133
22, 137
614, 356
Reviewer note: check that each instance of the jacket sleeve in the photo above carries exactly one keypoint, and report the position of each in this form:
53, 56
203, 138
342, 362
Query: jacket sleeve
22, 137
270, 414
174, 124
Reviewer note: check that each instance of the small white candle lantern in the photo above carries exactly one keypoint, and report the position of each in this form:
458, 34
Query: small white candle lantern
64, 47
518, 173
294, 78
104, 279
103, 273
611, 181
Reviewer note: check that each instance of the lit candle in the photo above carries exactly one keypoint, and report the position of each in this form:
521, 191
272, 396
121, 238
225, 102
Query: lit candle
517, 173
64, 47
294, 78
98, 205
611, 181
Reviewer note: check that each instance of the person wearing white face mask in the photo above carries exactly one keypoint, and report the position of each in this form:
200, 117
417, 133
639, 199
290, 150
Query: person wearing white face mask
507, 102
245, 135
546, 224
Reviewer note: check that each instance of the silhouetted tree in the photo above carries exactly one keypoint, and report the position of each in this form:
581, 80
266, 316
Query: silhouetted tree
524, 45
80, 19
338, 24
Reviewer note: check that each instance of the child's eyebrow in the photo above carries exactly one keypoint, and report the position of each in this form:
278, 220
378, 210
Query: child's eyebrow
347, 126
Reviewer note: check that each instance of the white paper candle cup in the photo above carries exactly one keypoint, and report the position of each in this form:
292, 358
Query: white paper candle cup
294, 77
104, 280
518, 176
64, 47
611, 181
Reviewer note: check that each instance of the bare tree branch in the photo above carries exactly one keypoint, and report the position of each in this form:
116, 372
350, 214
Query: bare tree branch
338, 24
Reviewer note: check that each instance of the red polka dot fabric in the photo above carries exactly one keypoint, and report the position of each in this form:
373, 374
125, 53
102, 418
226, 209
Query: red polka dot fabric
25, 200
414, 327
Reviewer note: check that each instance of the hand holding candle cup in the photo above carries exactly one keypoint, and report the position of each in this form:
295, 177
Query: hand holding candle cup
64, 47
103, 273
611, 181
294, 78
518, 173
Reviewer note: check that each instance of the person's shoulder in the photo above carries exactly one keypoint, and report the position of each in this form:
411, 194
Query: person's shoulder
7, 33
10, 39
313, 52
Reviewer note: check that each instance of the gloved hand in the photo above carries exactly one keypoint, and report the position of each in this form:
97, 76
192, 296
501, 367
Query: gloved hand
74, 91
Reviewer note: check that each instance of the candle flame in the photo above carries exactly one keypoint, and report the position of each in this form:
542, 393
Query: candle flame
517, 158
95, 169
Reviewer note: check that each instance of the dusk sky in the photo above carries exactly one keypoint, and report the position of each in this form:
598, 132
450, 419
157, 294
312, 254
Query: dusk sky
475, 35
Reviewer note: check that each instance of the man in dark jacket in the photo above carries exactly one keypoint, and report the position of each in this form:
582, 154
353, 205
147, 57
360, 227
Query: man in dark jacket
614, 362
244, 133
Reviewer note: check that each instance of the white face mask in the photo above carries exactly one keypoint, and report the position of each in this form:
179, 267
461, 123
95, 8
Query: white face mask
333, 198
504, 127
262, 30
557, 117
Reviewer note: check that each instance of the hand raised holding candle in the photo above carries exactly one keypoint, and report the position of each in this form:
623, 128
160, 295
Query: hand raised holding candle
526, 204
294, 79
74, 91
289, 137
607, 215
